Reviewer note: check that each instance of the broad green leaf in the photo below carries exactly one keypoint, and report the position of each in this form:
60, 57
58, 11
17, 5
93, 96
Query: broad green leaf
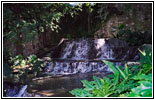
146, 83
97, 82
106, 83
140, 72
142, 90
143, 77
86, 93
122, 74
146, 92
126, 70
98, 93
76, 92
111, 76
142, 52
111, 66
87, 85
115, 81
124, 95
80, 93
132, 94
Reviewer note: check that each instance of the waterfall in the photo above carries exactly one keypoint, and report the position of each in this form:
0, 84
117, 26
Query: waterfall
22, 90
81, 56
75, 50
85, 55
14, 90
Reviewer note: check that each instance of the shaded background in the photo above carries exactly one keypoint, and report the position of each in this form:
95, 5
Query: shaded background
36, 28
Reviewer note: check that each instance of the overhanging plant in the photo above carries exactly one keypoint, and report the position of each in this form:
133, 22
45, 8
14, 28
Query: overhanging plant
122, 83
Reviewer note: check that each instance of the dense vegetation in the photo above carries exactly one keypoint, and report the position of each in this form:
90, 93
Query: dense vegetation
133, 81
24, 22
30, 22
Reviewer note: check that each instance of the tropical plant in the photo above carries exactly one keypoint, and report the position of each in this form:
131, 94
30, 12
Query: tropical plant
31, 64
146, 59
34, 18
23, 22
131, 37
122, 83
105, 87
144, 76
144, 88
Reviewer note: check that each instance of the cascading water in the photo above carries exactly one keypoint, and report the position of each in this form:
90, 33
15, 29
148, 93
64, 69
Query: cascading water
14, 90
76, 56
85, 55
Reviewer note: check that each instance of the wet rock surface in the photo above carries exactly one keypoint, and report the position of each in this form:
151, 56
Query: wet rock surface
76, 60
86, 55
14, 89
73, 67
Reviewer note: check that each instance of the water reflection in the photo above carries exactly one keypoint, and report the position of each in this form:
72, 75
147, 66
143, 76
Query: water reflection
60, 87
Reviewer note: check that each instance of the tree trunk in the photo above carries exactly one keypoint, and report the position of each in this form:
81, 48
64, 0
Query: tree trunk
19, 47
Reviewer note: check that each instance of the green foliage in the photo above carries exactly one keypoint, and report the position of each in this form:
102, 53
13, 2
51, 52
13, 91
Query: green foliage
31, 64
96, 88
117, 71
146, 60
131, 37
145, 87
117, 32
122, 83
33, 19
68, 36
105, 87
89, 7
143, 77
17, 60
112, 67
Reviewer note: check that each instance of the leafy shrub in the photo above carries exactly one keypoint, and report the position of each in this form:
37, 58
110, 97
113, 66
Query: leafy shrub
145, 87
146, 59
122, 83
131, 37
31, 64
144, 76
96, 88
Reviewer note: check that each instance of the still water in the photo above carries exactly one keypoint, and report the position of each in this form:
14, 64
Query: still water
60, 86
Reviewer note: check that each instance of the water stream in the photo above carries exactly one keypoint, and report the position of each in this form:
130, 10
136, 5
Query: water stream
77, 60
86, 55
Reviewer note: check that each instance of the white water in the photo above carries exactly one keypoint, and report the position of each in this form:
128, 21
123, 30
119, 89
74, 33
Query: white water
22, 90
78, 54
16, 91
75, 50
76, 57
84, 48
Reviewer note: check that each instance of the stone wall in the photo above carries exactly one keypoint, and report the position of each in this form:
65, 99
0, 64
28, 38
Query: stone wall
136, 17
132, 16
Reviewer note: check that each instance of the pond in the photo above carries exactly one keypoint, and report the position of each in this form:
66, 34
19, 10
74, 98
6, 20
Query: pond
60, 87
76, 60
57, 87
